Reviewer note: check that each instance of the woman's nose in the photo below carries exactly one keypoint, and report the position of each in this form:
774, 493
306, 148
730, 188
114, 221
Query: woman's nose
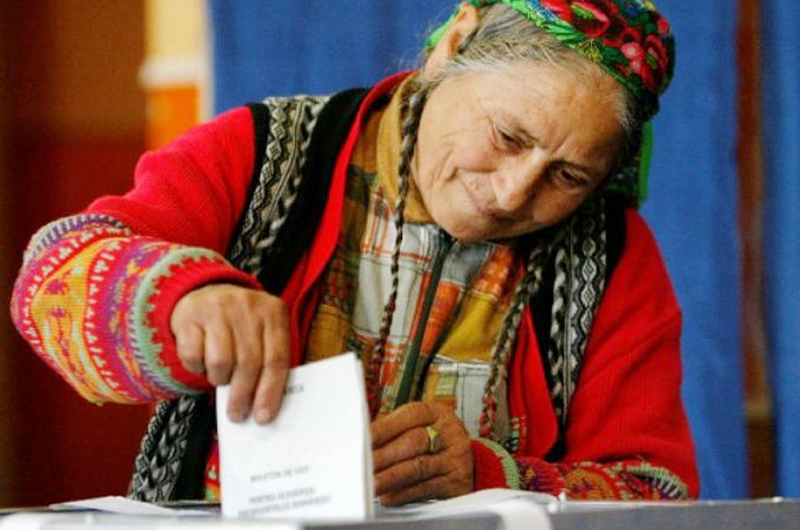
514, 185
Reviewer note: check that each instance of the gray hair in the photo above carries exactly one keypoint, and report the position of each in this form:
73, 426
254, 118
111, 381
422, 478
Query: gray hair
505, 37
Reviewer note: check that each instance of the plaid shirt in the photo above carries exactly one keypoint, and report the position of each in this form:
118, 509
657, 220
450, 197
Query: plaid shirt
452, 297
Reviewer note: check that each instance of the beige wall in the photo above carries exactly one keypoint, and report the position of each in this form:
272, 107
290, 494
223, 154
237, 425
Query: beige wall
174, 28
177, 51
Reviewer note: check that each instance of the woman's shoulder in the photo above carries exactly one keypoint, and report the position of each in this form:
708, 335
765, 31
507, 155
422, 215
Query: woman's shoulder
628, 233
639, 236
308, 105
273, 115
641, 273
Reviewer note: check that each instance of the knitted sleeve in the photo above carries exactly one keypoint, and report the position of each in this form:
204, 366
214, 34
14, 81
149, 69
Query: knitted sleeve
627, 436
96, 290
631, 479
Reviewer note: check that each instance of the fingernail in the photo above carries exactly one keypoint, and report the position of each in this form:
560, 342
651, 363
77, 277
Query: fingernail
262, 416
237, 415
195, 368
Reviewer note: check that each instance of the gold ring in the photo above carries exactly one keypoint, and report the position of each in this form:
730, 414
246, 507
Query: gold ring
434, 440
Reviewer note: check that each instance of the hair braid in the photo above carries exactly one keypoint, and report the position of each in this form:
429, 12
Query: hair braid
528, 286
411, 106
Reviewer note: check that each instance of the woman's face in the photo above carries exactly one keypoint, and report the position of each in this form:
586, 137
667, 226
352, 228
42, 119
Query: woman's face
503, 154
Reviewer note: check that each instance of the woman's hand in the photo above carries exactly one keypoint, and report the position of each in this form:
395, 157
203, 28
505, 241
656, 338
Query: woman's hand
405, 469
240, 336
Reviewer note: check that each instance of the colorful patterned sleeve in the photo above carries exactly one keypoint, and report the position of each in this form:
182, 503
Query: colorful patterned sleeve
620, 480
93, 300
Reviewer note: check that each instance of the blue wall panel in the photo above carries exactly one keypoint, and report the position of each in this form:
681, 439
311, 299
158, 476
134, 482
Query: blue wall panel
285, 47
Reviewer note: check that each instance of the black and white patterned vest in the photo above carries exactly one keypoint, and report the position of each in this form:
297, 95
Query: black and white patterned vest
297, 142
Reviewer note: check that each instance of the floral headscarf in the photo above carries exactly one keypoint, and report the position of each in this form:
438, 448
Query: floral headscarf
627, 38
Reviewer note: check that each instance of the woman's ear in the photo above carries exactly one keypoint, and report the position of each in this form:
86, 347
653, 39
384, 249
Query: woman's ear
465, 23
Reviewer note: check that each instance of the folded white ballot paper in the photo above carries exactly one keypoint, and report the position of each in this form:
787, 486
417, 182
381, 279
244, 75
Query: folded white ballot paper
122, 505
314, 461
519, 510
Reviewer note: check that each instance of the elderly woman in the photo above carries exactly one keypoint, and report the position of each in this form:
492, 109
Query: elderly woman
468, 229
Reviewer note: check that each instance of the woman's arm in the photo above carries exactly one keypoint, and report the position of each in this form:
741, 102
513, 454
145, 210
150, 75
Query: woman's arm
96, 291
627, 435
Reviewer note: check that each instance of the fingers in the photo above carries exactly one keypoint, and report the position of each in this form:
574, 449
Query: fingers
236, 336
405, 470
414, 442
410, 472
247, 366
190, 346
387, 428
439, 487
275, 371
218, 354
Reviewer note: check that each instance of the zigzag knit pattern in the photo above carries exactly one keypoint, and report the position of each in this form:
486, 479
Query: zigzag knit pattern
622, 480
93, 301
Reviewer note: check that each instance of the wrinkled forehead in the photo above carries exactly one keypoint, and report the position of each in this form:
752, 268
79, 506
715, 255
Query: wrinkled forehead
564, 83
555, 109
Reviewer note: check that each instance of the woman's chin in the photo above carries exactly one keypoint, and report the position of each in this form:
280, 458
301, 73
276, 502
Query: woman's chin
475, 233
468, 232
474, 226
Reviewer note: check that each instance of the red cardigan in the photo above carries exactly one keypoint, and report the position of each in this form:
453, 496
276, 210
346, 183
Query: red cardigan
627, 435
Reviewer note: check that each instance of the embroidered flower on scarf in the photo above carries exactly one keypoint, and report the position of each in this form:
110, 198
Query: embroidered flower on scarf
633, 46
590, 18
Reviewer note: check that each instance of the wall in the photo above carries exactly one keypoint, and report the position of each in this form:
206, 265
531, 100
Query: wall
6, 267
758, 410
73, 117
175, 72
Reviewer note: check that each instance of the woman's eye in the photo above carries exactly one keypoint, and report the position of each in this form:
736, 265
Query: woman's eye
506, 140
571, 180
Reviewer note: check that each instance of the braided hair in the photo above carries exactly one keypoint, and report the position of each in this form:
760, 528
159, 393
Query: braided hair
412, 103
502, 37
535, 261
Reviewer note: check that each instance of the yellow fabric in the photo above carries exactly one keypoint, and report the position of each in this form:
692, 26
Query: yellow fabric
58, 311
388, 158
471, 299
